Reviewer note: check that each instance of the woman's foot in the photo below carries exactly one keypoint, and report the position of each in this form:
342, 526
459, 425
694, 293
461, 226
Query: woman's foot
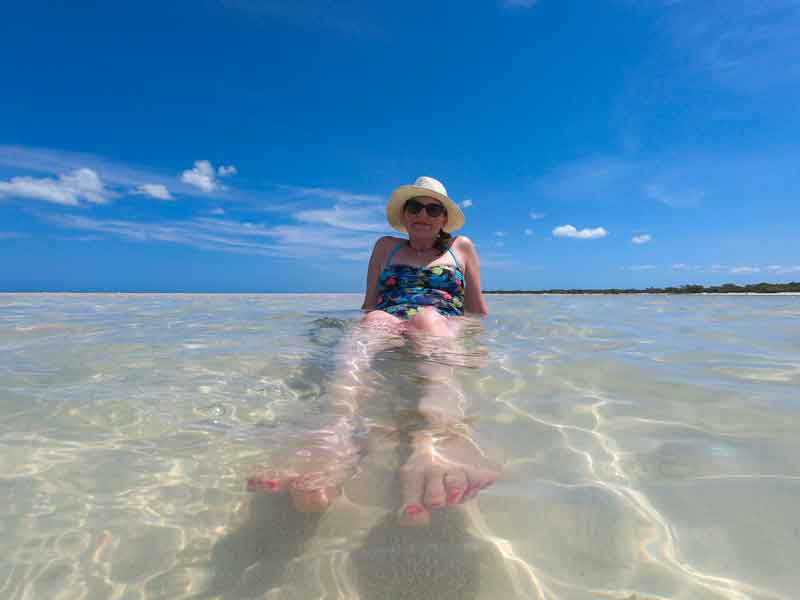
316, 472
443, 471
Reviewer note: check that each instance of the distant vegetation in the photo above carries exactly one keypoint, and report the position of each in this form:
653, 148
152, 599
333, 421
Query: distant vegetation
726, 288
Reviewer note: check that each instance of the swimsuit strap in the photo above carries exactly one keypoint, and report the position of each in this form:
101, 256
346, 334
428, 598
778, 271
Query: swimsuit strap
449, 249
458, 265
393, 252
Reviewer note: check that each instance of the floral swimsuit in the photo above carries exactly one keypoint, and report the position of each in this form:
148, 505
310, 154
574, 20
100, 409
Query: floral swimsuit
403, 290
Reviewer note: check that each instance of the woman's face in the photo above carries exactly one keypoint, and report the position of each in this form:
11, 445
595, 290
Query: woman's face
422, 223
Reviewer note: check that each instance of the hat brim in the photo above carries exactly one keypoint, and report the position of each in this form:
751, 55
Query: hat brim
399, 197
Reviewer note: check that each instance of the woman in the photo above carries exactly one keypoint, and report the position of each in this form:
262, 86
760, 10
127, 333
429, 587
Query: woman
421, 280
416, 290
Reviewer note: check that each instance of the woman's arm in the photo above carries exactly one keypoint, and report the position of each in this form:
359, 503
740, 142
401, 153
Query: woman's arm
473, 301
374, 270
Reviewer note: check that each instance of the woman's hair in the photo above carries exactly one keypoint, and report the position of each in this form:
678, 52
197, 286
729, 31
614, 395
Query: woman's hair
443, 241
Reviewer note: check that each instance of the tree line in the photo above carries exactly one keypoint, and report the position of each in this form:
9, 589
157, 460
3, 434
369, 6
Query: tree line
725, 288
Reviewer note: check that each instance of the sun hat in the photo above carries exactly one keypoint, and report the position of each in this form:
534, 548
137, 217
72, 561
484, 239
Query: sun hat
429, 188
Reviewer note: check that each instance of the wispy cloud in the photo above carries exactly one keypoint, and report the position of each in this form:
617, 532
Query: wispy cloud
674, 183
641, 239
568, 231
536, 216
748, 44
638, 268
154, 190
685, 267
466, 203
344, 217
330, 194
343, 18
587, 179
520, 3
204, 177
738, 270
673, 197
82, 185
529, 231
284, 241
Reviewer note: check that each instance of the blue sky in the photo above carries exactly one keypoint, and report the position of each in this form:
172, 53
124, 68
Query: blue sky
250, 145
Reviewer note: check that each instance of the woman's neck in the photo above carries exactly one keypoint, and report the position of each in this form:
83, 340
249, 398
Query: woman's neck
421, 245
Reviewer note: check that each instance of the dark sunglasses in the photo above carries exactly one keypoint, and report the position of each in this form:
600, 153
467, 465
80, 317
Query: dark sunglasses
434, 210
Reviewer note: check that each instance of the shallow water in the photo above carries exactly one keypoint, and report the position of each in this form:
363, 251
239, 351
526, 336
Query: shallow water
651, 447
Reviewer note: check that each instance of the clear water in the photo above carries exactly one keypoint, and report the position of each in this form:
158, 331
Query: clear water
651, 448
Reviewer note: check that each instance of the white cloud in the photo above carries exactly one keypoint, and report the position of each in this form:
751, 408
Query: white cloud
685, 267
466, 203
69, 190
500, 233
569, 231
114, 175
529, 232
638, 268
741, 270
536, 216
223, 171
202, 176
641, 239
154, 190
217, 211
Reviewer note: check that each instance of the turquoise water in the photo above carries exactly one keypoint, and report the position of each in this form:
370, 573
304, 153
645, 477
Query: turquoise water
651, 448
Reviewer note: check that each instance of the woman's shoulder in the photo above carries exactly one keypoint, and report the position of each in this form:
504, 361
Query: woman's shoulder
388, 242
463, 243
384, 245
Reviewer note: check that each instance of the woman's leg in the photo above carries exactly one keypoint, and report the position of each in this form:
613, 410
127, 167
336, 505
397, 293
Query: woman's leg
327, 457
434, 340
446, 465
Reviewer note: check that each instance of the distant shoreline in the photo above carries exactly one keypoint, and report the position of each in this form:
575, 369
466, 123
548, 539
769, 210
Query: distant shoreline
792, 288
727, 288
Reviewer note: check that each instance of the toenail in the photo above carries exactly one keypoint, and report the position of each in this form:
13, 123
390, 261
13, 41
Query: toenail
454, 494
413, 509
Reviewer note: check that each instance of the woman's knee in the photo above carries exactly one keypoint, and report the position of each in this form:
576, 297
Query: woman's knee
429, 320
381, 320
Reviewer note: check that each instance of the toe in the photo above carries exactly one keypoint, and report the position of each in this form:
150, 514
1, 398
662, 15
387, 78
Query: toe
455, 484
413, 513
310, 494
435, 496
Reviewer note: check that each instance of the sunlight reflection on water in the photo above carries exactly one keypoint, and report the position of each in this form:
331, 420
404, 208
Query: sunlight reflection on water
651, 447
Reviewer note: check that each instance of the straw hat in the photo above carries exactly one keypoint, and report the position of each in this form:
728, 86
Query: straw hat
429, 188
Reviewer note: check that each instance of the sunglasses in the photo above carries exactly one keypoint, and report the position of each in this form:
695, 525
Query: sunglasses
434, 210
